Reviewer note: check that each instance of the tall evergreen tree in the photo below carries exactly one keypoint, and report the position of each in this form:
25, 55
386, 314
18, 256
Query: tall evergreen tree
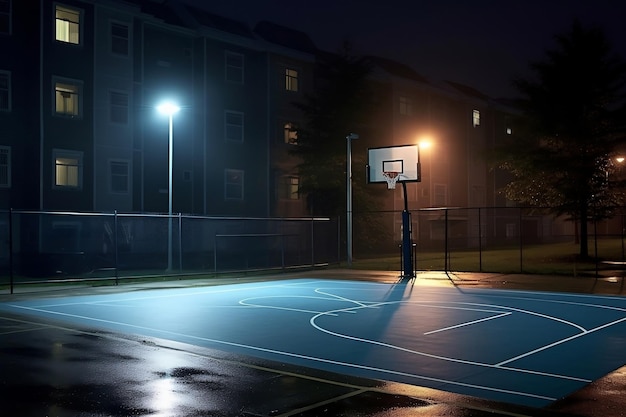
342, 102
572, 127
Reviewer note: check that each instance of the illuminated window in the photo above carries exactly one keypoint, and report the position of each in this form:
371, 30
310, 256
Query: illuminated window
509, 131
406, 106
476, 118
68, 169
67, 25
289, 188
5, 91
119, 174
119, 39
67, 98
290, 133
118, 107
5, 166
234, 67
5, 17
233, 184
233, 126
291, 80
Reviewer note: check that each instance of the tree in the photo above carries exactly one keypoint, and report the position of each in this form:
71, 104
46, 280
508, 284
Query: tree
341, 104
572, 125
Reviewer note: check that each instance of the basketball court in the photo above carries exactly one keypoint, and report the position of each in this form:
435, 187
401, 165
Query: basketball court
527, 348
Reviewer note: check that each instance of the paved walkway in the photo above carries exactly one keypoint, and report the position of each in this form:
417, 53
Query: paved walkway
66, 372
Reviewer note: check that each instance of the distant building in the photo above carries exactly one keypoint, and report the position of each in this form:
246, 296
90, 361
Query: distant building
80, 130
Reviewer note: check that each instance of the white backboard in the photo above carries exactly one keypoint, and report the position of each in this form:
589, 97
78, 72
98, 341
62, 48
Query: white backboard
403, 159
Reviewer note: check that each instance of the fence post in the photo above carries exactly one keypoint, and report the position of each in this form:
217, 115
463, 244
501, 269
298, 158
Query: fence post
115, 243
180, 242
11, 249
521, 242
312, 242
446, 261
480, 243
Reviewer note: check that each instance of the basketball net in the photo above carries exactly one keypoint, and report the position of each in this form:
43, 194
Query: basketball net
391, 177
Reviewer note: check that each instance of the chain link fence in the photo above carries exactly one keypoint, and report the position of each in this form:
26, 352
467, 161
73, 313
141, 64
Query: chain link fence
62, 246
504, 240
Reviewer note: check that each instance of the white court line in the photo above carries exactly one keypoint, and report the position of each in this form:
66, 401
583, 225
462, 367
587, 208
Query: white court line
245, 302
305, 357
212, 290
430, 355
568, 339
469, 323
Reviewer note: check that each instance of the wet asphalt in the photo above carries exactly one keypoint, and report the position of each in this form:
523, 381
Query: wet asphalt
49, 369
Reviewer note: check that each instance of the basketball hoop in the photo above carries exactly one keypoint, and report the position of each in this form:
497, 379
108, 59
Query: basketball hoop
391, 177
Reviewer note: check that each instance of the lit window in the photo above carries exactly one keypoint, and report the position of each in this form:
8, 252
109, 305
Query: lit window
233, 184
119, 176
406, 106
68, 169
5, 17
119, 107
5, 91
233, 126
5, 166
290, 133
67, 99
509, 131
119, 39
234, 67
289, 188
476, 118
67, 25
291, 80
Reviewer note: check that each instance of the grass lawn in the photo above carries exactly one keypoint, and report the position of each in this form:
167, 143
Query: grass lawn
555, 258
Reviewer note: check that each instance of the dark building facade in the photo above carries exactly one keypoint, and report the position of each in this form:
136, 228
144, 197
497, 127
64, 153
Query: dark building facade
80, 81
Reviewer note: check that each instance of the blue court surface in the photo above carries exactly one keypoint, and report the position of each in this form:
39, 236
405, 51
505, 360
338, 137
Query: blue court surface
528, 348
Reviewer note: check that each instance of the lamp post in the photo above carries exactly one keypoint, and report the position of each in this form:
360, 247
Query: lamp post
169, 109
349, 140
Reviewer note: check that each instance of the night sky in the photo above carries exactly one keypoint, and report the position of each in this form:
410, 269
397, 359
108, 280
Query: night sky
481, 43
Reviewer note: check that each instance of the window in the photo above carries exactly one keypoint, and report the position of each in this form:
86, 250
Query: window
118, 107
509, 131
5, 166
290, 133
5, 17
68, 169
476, 118
119, 39
234, 67
5, 91
289, 188
291, 80
233, 184
67, 25
233, 126
67, 98
118, 171
406, 106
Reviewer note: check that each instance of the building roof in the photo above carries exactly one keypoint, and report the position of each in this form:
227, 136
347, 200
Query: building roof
396, 68
284, 36
220, 23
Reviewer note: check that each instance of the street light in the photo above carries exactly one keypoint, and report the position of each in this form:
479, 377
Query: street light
349, 140
169, 109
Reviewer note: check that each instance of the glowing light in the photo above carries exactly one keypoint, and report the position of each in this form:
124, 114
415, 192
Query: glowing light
168, 108
620, 159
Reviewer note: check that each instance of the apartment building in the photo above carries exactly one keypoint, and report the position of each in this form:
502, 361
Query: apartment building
81, 81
